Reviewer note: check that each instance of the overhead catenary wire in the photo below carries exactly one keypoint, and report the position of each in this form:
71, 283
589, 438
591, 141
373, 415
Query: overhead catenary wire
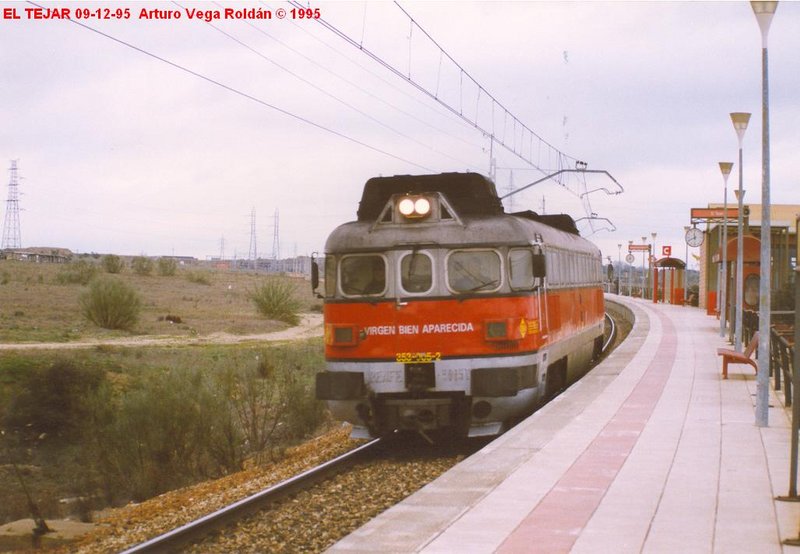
240, 93
463, 72
554, 156
325, 92
425, 105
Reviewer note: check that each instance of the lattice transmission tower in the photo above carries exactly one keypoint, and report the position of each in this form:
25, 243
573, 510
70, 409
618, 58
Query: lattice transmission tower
252, 254
11, 232
276, 240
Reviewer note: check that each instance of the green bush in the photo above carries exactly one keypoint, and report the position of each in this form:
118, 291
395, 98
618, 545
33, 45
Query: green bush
170, 430
198, 277
167, 267
142, 265
56, 400
112, 263
168, 423
111, 304
80, 273
274, 400
276, 299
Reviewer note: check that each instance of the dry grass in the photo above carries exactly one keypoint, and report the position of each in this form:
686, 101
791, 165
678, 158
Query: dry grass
34, 307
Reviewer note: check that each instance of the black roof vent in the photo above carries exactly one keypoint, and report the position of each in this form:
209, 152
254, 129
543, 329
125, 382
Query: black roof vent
467, 193
562, 222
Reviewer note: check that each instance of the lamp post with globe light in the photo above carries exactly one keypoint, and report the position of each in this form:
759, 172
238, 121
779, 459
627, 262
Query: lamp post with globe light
725, 168
686, 229
630, 269
644, 272
653, 267
740, 121
764, 11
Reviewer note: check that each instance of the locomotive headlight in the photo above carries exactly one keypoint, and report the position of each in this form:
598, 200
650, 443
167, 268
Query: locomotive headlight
406, 206
414, 207
422, 206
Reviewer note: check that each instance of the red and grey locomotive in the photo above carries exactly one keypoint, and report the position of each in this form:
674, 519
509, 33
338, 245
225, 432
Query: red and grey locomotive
445, 314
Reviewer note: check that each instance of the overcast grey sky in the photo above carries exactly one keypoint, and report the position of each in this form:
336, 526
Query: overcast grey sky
122, 152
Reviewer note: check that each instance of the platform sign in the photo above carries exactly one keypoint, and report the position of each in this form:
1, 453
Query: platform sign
716, 214
666, 251
638, 248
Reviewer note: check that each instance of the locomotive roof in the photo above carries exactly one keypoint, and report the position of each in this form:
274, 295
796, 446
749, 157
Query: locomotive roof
562, 222
468, 193
473, 231
472, 196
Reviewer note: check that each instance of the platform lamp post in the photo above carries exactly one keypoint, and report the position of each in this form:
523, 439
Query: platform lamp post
740, 121
644, 272
653, 268
619, 268
764, 12
686, 268
725, 168
630, 269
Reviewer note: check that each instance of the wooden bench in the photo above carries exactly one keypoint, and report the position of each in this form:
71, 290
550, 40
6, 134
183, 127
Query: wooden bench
733, 357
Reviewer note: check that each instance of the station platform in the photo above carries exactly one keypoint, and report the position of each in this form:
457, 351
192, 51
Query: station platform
652, 451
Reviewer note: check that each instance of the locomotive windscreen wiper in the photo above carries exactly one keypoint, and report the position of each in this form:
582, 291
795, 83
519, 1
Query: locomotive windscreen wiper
491, 283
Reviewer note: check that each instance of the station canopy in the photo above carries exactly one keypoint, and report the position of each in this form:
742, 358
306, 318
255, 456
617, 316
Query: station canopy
670, 262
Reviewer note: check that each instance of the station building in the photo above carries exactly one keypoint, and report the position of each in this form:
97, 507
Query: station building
785, 224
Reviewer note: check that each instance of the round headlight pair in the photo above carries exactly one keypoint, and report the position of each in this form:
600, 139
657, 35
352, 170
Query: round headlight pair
414, 207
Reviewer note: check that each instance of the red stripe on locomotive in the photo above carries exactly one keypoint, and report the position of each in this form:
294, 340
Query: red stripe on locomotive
458, 327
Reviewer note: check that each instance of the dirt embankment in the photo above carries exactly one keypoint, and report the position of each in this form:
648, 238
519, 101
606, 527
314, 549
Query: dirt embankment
310, 326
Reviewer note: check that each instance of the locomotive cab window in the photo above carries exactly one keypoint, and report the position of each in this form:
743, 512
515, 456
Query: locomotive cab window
520, 268
363, 275
525, 268
416, 272
474, 271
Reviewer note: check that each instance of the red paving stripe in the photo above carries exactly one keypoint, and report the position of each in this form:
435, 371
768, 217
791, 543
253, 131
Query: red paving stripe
556, 522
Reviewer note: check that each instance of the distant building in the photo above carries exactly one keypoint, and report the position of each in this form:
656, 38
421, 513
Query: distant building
38, 254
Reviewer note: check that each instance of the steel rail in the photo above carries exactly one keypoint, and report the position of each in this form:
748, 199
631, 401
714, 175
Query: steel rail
612, 335
194, 530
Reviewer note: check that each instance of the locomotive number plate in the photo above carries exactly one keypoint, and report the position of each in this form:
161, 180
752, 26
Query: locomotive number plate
417, 357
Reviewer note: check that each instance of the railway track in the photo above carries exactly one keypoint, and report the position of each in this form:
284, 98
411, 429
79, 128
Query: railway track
192, 532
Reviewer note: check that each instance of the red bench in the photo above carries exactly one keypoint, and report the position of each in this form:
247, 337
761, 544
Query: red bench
733, 357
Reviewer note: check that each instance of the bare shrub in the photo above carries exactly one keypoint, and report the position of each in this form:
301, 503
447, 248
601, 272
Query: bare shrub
142, 265
256, 402
77, 273
111, 304
198, 277
112, 263
275, 299
274, 400
167, 267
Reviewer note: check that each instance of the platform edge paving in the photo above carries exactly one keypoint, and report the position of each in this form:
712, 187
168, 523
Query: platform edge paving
391, 531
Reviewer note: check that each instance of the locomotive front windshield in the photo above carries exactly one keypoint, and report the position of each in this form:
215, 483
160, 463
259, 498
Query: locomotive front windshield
363, 275
416, 272
473, 271
419, 272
